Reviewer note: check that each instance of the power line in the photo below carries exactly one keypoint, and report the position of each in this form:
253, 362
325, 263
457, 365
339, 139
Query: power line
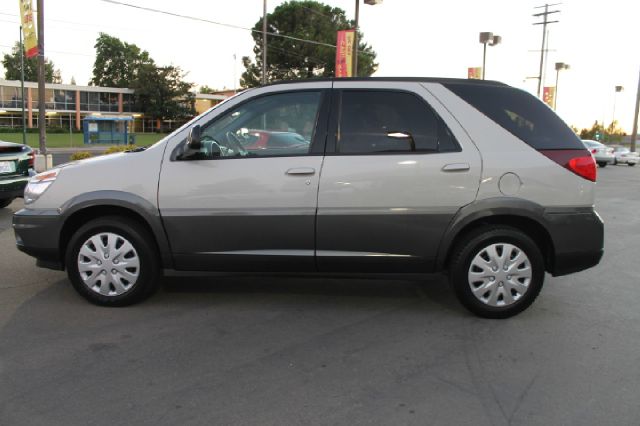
208, 21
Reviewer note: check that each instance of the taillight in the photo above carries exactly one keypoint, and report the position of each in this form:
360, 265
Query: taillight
576, 160
593, 151
32, 159
583, 166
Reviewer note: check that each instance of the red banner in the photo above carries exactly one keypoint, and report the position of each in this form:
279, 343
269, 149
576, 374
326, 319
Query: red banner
28, 29
474, 73
344, 53
549, 96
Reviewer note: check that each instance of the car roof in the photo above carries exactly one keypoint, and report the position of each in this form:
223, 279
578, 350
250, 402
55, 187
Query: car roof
9, 144
441, 80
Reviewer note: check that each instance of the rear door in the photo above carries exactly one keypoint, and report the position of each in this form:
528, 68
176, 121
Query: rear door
397, 169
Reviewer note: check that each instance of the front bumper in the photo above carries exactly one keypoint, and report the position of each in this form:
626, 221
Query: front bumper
578, 240
38, 234
13, 187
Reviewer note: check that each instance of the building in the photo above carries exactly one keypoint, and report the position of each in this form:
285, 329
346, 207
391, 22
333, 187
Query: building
68, 104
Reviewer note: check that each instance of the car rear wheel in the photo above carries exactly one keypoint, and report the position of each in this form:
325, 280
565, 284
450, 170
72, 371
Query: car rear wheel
112, 261
602, 163
496, 271
631, 164
4, 202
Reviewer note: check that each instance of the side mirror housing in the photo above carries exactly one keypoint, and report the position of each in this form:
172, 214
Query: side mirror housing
194, 141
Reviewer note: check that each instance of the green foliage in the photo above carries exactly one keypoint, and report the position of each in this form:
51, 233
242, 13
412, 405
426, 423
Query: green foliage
161, 92
289, 59
206, 90
120, 148
80, 155
11, 64
613, 133
117, 63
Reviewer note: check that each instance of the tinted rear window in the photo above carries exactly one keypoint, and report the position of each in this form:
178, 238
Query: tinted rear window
520, 113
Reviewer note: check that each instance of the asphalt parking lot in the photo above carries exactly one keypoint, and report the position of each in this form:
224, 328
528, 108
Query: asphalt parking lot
281, 351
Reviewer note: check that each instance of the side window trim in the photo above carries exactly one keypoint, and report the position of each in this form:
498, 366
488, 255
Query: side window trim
318, 141
335, 118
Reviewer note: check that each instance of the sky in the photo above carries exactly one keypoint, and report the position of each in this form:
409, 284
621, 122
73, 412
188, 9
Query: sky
599, 40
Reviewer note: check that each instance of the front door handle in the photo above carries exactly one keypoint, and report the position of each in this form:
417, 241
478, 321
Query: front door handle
301, 171
456, 167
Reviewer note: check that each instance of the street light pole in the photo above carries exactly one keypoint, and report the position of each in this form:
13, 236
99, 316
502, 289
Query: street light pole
355, 41
634, 133
492, 40
42, 120
559, 67
24, 116
484, 59
264, 43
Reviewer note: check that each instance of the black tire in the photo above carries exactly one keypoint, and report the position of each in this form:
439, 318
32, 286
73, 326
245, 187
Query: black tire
631, 164
4, 202
465, 251
602, 164
145, 248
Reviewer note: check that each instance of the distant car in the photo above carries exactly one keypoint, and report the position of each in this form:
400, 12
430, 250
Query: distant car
283, 141
16, 167
623, 155
601, 153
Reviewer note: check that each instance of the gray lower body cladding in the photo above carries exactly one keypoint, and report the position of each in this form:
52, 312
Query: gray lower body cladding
578, 239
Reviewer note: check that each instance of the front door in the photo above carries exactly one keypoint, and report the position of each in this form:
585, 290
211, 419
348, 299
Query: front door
246, 201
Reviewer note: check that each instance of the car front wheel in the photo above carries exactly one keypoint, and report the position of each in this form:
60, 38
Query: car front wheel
112, 261
496, 271
4, 202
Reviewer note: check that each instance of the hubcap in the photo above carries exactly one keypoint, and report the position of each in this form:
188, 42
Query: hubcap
500, 274
108, 264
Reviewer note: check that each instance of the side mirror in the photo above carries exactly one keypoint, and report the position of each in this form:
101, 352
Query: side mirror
194, 139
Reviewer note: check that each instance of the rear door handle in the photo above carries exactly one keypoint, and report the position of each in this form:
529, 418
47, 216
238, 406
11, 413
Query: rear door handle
456, 167
301, 171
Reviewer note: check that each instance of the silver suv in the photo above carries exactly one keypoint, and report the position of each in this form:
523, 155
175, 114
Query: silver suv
350, 177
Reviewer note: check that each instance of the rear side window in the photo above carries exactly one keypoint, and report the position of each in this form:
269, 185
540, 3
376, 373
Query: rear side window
388, 121
520, 113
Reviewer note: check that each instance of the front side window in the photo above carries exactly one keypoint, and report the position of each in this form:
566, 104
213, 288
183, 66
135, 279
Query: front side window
388, 121
273, 125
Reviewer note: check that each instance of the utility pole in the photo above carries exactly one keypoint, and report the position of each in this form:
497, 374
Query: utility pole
42, 120
355, 41
264, 43
634, 133
24, 116
544, 24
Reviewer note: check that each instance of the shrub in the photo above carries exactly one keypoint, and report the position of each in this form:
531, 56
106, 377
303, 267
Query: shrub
120, 148
80, 155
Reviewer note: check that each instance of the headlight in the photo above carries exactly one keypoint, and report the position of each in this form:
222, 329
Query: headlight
38, 184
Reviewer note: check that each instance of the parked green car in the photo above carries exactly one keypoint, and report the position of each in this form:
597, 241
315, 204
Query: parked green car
16, 167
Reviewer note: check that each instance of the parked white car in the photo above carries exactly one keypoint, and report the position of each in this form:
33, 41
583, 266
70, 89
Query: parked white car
602, 153
623, 155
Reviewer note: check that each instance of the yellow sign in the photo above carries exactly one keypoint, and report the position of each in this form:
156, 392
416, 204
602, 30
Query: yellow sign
474, 73
28, 29
549, 96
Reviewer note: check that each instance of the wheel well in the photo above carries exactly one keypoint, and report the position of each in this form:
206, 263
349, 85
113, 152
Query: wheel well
533, 229
79, 218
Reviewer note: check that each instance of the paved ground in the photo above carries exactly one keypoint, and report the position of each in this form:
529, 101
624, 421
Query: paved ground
317, 351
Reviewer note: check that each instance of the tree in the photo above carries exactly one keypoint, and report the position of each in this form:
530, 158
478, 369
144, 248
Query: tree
117, 63
206, 89
612, 133
161, 93
11, 64
291, 59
